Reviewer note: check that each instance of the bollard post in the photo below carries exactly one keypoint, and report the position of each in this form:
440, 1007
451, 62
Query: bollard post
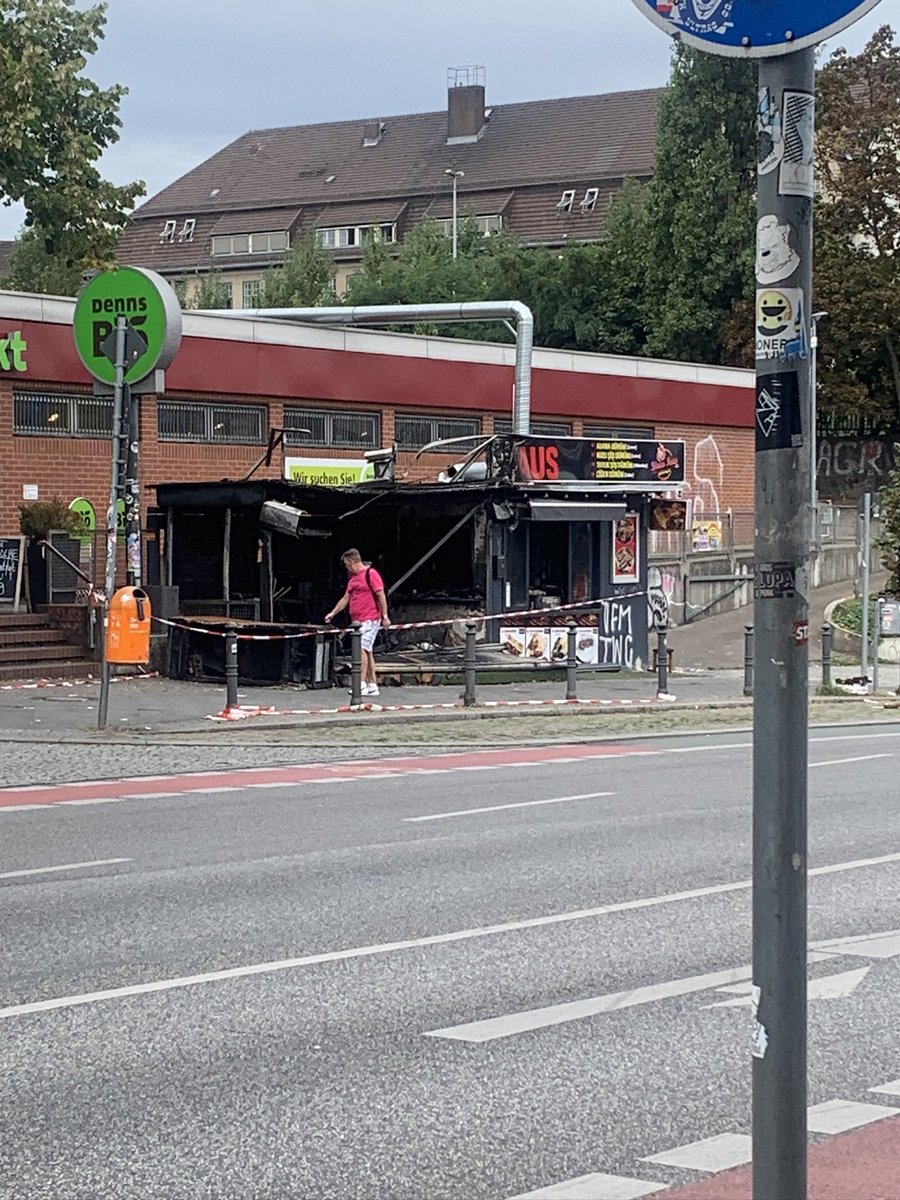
355, 663
662, 662
469, 664
748, 660
826, 656
572, 661
231, 670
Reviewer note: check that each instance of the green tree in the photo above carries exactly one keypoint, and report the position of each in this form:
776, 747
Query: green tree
33, 268
304, 280
212, 291
56, 124
700, 214
858, 230
889, 542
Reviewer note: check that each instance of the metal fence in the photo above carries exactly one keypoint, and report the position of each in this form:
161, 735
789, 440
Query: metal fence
732, 532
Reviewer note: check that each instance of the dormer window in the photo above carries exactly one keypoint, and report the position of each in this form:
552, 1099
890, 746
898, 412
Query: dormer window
187, 230
168, 233
566, 200
589, 203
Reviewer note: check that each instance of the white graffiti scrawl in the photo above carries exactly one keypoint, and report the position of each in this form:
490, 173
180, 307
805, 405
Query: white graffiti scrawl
615, 643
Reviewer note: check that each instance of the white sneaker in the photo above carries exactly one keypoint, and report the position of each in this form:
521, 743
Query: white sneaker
373, 690
365, 689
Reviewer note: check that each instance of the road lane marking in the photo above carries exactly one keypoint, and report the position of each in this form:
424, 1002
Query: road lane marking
837, 1116
713, 1154
468, 812
870, 945
576, 1010
837, 762
888, 1089
79, 866
595, 1187
439, 939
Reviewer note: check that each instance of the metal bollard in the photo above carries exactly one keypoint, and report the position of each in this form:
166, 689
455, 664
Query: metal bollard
231, 670
748, 660
662, 662
826, 656
572, 661
355, 663
469, 694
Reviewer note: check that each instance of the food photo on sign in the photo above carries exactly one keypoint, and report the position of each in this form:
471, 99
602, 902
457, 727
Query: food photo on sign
625, 565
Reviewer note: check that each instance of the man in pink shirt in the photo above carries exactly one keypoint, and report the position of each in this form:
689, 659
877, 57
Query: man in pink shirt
368, 604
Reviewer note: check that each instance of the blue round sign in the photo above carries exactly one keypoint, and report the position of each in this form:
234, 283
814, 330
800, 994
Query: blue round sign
754, 28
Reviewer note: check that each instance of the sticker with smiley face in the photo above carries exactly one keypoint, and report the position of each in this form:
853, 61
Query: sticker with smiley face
780, 324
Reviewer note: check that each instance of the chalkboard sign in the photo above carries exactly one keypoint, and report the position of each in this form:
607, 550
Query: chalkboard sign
12, 562
890, 618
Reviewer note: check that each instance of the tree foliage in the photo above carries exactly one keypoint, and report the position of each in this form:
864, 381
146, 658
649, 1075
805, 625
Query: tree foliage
61, 273
304, 280
858, 230
211, 291
56, 124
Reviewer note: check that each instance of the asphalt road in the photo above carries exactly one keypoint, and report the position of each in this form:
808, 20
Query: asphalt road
349, 982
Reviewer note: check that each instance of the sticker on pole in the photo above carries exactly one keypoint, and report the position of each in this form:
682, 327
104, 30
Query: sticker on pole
753, 28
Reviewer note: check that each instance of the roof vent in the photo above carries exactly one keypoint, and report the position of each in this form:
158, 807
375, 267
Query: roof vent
373, 132
466, 114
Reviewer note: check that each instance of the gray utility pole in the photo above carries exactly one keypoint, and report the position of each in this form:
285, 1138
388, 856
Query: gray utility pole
455, 176
131, 404
813, 432
865, 556
781, 626
117, 479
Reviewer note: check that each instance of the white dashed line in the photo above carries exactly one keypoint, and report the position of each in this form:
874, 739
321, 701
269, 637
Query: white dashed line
468, 812
79, 866
595, 1187
837, 1116
713, 1154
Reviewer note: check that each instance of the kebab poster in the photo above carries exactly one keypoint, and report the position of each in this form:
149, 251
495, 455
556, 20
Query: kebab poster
625, 563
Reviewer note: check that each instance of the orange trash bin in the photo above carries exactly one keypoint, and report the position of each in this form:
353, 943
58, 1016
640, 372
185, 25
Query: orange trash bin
128, 633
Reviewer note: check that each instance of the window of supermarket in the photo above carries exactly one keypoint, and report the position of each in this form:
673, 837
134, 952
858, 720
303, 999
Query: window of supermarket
243, 424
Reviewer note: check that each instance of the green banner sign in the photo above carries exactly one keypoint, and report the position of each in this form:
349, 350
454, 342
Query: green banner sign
149, 306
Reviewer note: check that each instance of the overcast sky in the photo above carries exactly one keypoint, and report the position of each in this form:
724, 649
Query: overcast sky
202, 72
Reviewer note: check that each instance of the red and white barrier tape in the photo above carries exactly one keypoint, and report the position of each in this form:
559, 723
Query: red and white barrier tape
242, 712
506, 617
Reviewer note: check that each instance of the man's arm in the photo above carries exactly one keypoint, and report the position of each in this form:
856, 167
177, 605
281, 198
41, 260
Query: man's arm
381, 598
338, 608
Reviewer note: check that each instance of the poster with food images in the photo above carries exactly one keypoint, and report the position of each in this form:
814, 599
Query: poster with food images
625, 564
538, 644
587, 646
512, 640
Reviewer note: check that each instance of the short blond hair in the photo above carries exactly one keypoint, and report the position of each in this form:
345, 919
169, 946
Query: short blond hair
351, 556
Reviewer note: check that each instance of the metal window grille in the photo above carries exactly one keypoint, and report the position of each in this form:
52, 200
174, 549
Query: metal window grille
332, 427
632, 432
217, 423
47, 414
539, 428
413, 432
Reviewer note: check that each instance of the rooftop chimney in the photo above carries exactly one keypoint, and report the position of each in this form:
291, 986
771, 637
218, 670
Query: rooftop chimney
465, 104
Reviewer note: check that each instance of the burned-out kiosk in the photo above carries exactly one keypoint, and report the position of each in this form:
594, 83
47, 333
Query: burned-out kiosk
520, 525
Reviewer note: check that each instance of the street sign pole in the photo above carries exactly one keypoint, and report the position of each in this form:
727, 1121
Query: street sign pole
781, 629
112, 513
133, 556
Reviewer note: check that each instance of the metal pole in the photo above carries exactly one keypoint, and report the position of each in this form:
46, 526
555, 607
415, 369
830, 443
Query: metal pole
469, 664
876, 637
813, 430
781, 712
826, 656
866, 552
133, 556
454, 217
112, 514
662, 662
748, 660
572, 661
355, 663
231, 670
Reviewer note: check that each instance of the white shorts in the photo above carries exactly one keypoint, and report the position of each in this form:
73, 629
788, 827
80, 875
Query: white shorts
368, 633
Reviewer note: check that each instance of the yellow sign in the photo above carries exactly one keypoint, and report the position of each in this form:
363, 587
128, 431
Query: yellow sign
327, 472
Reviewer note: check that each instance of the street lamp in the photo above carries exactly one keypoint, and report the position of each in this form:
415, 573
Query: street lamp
813, 443
455, 176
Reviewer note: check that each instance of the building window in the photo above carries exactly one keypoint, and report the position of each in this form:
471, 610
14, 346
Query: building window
589, 203
45, 414
486, 225
187, 230
168, 232
538, 428
249, 243
340, 237
414, 432
250, 290
346, 428
242, 424
566, 200
619, 432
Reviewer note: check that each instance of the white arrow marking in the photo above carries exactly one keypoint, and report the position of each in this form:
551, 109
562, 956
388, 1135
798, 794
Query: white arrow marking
828, 987
867, 945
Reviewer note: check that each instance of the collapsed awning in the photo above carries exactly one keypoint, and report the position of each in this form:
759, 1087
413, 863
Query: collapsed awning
574, 510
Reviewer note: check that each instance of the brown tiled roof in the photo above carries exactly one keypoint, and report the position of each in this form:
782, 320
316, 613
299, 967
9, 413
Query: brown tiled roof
265, 220
369, 212
477, 204
593, 138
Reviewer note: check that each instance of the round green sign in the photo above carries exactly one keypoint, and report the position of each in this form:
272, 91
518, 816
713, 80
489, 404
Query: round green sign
85, 510
152, 313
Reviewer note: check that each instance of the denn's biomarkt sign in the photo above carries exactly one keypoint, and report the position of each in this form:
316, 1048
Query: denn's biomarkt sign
754, 28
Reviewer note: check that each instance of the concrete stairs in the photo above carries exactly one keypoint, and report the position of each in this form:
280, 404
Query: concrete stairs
31, 648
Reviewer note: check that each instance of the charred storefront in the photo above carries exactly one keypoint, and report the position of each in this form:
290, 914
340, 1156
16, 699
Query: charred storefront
521, 525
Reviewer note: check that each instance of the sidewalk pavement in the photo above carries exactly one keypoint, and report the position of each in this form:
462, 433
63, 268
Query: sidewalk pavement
708, 671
